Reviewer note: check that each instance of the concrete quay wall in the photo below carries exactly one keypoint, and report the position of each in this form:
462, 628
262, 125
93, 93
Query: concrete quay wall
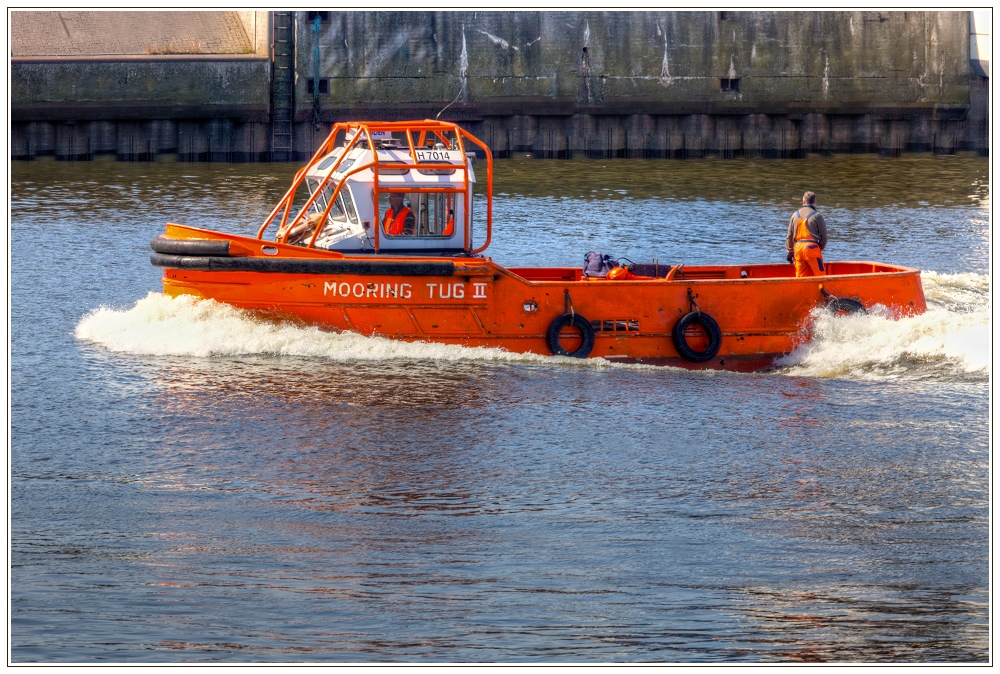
553, 84
507, 63
140, 84
651, 84
200, 108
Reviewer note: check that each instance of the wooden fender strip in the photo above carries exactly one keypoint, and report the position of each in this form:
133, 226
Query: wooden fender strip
303, 266
201, 247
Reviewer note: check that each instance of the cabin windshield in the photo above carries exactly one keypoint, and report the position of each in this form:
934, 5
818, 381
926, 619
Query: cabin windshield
342, 212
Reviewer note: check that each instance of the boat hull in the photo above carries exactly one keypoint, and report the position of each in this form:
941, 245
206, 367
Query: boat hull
762, 311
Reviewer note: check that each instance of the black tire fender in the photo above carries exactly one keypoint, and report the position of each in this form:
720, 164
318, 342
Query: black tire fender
710, 326
190, 247
577, 321
844, 305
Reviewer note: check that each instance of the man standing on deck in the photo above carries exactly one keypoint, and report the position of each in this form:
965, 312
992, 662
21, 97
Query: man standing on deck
806, 238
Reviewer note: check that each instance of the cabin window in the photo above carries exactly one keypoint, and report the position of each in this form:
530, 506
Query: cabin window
343, 210
419, 214
348, 205
331, 160
342, 220
436, 214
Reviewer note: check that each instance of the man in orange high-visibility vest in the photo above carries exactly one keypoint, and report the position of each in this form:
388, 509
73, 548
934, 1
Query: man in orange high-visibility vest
806, 238
398, 218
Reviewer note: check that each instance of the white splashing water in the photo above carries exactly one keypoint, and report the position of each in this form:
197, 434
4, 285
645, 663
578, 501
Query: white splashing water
952, 338
160, 325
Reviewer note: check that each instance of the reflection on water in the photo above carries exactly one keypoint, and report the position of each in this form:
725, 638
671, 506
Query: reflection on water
193, 484
812, 618
321, 510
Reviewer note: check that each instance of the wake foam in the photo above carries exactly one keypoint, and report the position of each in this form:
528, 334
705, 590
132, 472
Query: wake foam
952, 338
160, 325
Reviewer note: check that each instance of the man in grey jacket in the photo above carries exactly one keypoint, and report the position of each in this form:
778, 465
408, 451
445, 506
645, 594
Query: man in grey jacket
807, 238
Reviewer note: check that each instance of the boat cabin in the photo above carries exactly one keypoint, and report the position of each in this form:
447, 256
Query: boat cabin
400, 188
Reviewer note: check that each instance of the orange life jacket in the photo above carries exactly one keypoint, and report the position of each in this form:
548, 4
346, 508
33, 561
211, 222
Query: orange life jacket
394, 222
802, 230
449, 227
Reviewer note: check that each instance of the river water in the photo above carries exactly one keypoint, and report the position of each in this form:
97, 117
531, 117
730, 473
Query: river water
190, 483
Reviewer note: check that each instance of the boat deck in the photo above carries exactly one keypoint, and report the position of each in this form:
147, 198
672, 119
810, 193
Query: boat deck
705, 272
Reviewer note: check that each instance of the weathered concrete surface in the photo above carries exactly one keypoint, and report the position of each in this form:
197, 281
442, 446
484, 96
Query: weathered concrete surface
78, 66
142, 140
555, 84
650, 84
70, 33
506, 63
257, 26
141, 88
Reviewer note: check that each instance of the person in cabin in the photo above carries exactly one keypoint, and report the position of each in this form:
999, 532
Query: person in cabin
806, 238
399, 218
449, 226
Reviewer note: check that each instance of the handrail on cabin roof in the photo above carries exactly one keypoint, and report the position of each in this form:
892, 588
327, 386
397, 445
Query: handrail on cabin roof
365, 130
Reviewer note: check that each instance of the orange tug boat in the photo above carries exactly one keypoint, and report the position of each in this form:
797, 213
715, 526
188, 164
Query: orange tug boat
342, 261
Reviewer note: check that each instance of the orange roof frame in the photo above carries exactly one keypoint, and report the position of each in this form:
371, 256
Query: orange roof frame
364, 130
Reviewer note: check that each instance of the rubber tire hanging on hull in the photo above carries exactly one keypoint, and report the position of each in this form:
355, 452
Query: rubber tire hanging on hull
844, 305
578, 322
710, 326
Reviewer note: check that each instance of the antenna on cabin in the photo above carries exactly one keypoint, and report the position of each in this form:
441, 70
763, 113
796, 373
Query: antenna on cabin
460, 92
